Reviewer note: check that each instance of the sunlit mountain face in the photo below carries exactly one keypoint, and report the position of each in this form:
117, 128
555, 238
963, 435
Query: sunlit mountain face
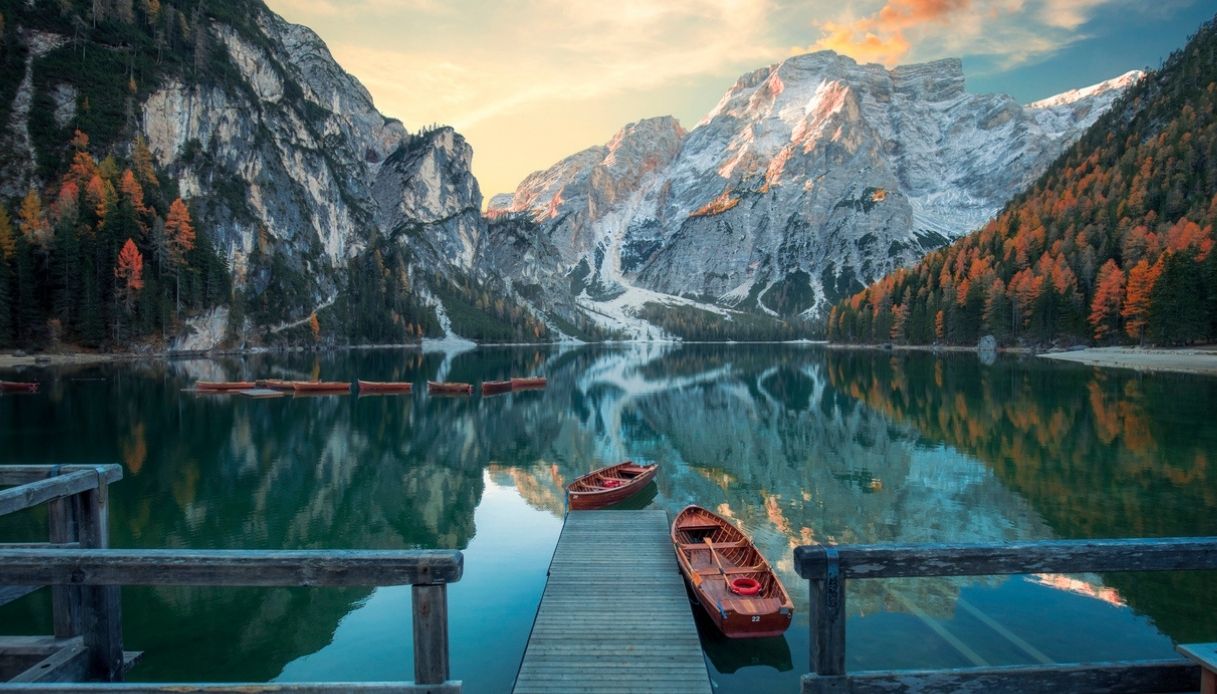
796, 444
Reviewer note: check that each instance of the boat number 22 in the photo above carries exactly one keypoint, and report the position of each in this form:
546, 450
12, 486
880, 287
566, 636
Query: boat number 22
756, 618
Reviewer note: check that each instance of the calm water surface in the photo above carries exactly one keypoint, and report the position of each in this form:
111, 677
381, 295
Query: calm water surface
796, 443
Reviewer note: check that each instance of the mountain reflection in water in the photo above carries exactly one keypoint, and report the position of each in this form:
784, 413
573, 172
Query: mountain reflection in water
797, 444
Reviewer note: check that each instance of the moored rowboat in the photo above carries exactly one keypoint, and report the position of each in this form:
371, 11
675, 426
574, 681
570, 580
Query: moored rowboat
608, 485
386, 387
524, 383
222, 386
437, 388
18, 386
321, 386
495, 387
732, 581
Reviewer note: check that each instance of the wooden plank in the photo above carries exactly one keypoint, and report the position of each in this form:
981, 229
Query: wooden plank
236, 688
65, 600
24, 474
229, 567
67, 664
827, 618
101, 622
1117, 677
430, 607
584, 640
12, 593
29, 495
1056, 556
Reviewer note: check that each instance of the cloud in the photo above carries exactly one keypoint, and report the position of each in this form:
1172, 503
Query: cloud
554, 52
1013, 32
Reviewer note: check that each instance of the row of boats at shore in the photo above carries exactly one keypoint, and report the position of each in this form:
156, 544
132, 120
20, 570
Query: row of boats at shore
271, 386
730, 578
18, 387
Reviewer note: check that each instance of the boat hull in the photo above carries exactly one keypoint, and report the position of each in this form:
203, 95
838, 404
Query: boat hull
321, 386
222, 386
528, 383
437, 388
385, 387
581, 498
18, 387
495, 387
712, 553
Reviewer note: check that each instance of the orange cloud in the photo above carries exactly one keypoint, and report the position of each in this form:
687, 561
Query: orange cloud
880, 37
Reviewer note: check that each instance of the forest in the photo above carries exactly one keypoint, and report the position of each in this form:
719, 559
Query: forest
108, 254
1112, 245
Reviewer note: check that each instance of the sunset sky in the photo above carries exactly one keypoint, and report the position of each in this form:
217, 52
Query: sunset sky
531, 81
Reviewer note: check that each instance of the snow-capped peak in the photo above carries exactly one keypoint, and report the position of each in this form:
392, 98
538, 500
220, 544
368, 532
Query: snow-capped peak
1117, 84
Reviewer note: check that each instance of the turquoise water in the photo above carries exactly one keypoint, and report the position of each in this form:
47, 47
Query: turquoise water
796, 443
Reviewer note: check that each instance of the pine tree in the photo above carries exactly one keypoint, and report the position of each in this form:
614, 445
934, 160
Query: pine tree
141, 159
6, 304
8, 243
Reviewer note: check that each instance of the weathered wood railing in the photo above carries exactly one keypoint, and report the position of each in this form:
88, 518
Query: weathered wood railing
85, 577
826, 568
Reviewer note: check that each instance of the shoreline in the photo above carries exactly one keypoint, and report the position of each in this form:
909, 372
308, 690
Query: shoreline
1187, 360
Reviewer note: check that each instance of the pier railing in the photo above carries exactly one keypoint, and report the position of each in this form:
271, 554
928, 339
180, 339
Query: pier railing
827, 567
85, 576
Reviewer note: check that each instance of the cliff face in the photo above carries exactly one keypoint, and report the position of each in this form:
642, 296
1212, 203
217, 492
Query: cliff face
806, 179
282, 156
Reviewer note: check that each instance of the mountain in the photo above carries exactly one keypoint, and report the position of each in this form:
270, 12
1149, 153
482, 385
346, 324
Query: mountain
808, 178
318, 203
1112, 243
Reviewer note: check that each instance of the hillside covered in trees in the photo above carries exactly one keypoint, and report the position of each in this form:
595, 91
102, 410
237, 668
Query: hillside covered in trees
1114, 243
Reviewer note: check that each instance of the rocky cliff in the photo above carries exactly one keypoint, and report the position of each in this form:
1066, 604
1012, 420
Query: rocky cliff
808, 178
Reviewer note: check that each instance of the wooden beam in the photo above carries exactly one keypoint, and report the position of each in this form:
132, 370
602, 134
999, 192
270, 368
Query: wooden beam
161, 567
1117, 677
65, 600
1056, 556
101, 622
430, 633
827, 617
26, 496
236, 688
67, 664
12, 593
24, 474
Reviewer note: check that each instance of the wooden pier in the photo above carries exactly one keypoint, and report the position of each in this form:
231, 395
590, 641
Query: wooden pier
615, 616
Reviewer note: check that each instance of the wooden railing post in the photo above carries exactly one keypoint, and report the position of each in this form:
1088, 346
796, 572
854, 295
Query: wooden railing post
827, 617
430, 633
65, 600
101, 617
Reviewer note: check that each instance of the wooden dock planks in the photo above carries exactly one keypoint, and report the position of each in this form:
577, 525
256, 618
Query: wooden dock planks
615, 616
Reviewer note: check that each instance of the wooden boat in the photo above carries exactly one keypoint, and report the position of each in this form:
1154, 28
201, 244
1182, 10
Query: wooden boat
526, 383
385, 387
321, 386
223, 386
608, 485
495, 387
274, 384
438, 388
732, 581
18, 386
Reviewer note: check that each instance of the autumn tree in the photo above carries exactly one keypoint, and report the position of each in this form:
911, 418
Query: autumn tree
1141, 280
1108, 298
179, 237
130, 273
314, 326
8, 243
32, 220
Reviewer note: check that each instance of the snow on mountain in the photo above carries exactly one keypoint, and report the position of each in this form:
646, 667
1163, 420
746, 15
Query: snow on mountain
807, 179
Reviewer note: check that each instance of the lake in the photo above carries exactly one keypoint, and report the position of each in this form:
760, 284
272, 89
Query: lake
796, 443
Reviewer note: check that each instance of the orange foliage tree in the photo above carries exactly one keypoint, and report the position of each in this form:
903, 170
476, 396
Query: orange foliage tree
1108, 298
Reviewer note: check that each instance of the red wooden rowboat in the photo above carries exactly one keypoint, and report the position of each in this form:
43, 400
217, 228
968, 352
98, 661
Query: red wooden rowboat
437, 388
18, 386
608, 485
221, 386
732, 581
495, 387
525, 383
321, 386
386, 387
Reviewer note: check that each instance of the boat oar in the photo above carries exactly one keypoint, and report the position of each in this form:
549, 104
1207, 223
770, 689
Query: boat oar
718, 561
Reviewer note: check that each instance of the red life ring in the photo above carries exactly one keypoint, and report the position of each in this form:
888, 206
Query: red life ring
611, 484
745, 586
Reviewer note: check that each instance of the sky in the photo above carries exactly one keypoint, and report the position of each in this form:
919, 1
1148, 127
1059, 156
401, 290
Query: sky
528, 82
